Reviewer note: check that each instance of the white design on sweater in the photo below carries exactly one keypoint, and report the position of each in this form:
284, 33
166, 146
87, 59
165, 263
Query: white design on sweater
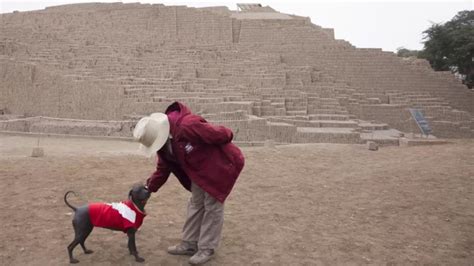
125, 211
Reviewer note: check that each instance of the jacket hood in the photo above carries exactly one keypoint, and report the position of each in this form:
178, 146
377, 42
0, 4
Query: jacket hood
177, 106
183, 111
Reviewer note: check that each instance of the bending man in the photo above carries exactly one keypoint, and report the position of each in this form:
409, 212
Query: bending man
205, 162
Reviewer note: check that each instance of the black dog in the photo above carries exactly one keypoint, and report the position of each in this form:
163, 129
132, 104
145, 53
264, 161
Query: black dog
125, 216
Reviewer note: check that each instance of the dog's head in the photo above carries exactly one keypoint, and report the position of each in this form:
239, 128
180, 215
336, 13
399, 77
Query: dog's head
139, 194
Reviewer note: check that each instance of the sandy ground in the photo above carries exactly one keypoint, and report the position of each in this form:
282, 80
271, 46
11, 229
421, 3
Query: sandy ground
320, 204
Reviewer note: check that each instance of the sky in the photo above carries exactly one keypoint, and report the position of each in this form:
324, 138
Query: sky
386, 24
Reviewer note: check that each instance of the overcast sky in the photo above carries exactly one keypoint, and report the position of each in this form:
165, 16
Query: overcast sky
366, 24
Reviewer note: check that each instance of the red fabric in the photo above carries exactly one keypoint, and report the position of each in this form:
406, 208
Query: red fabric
173, 116
202, 153
105, 215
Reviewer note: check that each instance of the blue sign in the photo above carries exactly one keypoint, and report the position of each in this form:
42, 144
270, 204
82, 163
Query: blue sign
420, 121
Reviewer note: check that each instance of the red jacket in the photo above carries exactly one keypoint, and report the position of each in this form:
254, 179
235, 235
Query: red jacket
118, 216
202, 153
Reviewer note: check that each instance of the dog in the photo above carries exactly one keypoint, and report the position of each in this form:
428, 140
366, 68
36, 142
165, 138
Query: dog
126, 216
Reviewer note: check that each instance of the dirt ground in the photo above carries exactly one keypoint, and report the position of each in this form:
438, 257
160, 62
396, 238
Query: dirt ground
319, 204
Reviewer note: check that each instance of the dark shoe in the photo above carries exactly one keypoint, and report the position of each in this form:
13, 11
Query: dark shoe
202, 256
183, 248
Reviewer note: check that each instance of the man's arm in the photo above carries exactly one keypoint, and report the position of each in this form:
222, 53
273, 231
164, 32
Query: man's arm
159, 177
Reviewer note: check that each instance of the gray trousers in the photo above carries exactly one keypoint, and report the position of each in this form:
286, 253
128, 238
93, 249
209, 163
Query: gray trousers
204, 219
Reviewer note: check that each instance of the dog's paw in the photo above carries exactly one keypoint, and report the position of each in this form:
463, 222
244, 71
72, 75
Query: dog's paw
74, 261
88, 251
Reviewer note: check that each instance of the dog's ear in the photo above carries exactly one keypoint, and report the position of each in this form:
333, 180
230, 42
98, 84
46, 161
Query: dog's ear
130, 193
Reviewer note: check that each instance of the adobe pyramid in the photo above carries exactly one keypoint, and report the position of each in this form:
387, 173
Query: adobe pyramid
94, 69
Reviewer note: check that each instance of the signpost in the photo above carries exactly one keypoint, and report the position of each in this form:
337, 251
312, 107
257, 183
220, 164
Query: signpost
421, 121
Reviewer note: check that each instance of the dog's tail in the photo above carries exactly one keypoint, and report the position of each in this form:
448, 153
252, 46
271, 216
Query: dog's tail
67, 203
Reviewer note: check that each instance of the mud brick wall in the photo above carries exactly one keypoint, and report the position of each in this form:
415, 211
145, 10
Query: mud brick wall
254, 129
395, 116
295, 31
122, 61
202, 27
30, 90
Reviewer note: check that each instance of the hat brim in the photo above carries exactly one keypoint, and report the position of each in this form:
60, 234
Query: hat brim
160, 139
153, 149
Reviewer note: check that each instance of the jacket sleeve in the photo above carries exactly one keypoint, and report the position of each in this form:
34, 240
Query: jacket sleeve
201, 131
159, 177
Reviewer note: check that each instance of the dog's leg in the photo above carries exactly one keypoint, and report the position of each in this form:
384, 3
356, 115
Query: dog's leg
131, 245
87, 230
74, 243
82, 228
70, 248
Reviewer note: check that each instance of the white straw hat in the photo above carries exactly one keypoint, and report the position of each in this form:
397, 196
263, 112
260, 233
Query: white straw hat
152, 132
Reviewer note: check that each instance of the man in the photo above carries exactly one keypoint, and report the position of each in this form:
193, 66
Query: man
205, 162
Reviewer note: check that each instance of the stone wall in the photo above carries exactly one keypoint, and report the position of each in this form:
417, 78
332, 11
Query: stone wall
29, 90
263, 73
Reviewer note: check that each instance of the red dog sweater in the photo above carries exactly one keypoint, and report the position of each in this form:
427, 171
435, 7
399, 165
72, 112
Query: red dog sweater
118, 216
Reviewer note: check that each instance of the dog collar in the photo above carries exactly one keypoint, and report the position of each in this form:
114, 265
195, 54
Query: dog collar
138, 209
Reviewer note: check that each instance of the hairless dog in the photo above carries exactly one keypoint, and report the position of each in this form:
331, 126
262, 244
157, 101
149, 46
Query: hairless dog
126, 216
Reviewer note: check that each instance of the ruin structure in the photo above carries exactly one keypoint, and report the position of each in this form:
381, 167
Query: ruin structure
94, 69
